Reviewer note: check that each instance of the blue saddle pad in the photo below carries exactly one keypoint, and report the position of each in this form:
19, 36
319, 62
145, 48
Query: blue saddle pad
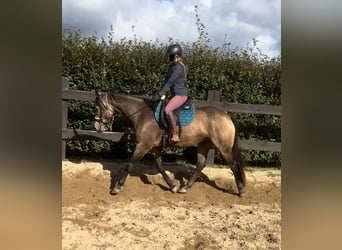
186, 116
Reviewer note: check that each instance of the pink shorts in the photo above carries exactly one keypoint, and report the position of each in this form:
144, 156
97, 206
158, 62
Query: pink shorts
175, 102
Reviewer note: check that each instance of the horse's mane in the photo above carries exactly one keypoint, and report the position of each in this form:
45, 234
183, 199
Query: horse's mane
137, 98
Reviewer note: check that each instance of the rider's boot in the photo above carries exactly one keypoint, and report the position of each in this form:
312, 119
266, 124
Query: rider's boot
172, 127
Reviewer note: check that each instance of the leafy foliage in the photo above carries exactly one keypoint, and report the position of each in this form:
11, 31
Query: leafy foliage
138, 67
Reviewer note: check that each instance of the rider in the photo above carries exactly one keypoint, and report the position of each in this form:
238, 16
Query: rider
174, 82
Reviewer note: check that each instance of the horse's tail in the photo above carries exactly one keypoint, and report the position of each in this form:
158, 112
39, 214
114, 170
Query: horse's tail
237, 158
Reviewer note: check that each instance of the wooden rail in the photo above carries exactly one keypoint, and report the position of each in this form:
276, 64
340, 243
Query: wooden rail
212, 100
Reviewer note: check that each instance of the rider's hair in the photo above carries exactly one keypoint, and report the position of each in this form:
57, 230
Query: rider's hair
185, 70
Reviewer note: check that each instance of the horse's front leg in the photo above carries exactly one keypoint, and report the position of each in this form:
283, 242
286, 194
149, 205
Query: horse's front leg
202, 151
197, 172
139, 152
119, 184
172, 186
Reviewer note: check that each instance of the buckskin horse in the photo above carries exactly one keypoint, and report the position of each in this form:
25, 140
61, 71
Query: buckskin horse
211, 128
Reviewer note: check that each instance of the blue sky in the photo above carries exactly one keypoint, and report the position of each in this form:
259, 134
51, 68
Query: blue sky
237, 21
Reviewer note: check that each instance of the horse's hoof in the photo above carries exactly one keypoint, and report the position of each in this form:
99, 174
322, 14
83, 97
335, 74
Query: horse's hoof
241, 193
183, 190
174, 189
115, 191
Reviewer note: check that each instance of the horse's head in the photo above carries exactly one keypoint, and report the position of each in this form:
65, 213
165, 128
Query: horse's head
104, 113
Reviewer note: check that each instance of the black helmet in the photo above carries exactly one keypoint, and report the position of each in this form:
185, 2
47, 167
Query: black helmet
174, 49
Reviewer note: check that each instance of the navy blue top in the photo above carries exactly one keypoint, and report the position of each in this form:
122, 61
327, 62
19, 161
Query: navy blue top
174, 81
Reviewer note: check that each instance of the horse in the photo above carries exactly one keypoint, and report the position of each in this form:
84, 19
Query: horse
211, 128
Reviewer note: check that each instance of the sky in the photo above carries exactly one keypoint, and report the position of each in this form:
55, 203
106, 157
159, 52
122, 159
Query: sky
232, 21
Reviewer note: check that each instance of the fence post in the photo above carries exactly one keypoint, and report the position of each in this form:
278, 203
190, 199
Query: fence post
65, 85
213, 95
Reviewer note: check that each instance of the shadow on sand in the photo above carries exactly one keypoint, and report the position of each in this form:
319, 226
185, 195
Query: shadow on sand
142, 170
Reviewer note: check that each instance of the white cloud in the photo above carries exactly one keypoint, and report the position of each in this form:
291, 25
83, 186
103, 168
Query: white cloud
240, 21
267, 43
206, 3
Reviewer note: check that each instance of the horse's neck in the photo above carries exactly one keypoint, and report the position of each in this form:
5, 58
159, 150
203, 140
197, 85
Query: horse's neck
132, 108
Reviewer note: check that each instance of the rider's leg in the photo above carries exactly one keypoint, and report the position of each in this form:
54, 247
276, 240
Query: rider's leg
174, 103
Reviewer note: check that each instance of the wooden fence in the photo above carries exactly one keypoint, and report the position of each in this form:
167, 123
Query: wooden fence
213, 99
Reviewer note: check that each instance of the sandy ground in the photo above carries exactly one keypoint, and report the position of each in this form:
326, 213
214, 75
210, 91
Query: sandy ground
145, 215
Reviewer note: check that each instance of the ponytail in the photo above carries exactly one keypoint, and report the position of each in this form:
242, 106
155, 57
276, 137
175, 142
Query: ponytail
185, 70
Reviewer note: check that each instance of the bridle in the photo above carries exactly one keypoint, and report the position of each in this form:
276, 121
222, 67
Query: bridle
106, 122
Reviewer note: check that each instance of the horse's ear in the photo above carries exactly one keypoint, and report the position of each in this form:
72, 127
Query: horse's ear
97, 92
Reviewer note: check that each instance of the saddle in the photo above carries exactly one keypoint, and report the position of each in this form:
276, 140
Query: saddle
180, 113
185, 114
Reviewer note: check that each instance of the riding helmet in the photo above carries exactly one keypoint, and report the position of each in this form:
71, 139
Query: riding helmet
174, 49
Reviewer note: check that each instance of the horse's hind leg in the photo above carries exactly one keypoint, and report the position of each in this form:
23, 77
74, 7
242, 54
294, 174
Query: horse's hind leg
202, 152
231, 155
235, 166
238, 178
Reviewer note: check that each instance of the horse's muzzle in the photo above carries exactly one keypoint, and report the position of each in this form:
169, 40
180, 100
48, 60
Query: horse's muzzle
100, 127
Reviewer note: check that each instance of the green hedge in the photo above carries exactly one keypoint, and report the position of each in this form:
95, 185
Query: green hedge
139, 67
